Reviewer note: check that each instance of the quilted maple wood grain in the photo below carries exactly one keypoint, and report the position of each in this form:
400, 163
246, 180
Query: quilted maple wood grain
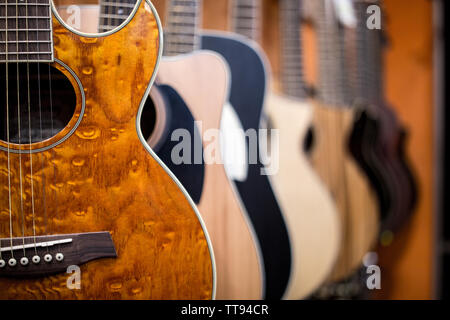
102, 179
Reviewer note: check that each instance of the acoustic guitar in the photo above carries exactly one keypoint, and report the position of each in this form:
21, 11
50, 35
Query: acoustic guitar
377, 126
333, 123
249, 74
88, 211
305, 200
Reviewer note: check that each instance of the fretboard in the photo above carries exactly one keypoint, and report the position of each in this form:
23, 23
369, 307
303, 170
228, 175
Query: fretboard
368, 73
25, 31
291, 44
183, 21
113, 13
246, 18
333, 69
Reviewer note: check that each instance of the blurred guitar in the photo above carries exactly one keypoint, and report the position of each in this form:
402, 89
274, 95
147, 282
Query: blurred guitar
385, 160
333, 123
249, 74
305, 201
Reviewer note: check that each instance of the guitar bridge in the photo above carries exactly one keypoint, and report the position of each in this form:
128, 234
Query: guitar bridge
42, 256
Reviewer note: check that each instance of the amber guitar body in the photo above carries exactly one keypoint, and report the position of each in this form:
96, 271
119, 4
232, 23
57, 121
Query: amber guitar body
354, 198
102, 178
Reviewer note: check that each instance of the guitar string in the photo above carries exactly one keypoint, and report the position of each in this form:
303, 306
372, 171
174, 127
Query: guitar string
108, 18
19, 130
52, 129
7, 126
6, 54
42, 155
29, 128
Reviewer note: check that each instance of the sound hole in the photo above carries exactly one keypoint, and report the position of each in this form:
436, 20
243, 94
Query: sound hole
41, 101
148, 118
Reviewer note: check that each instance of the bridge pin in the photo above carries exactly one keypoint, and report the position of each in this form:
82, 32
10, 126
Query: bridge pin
12, 262
36, 259
24, 261
59, 257
2, 263
48, 258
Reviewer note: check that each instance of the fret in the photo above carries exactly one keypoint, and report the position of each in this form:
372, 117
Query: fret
177, 22
27, 17
26, 31
28, 52
26, 57
21, 4
105, 28
245, 24
291, 44
118, 4
25, 41
183, 21
114, 16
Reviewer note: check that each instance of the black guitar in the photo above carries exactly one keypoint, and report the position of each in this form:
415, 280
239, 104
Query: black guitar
378, 140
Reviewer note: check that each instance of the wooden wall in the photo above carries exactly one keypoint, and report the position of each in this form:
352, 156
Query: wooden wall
409, 86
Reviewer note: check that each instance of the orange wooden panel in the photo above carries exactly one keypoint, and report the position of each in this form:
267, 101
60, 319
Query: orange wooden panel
407, 265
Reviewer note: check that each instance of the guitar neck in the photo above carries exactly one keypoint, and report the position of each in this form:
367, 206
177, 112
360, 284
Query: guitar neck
246, 18
333, 65
292, 76
367, 82
113, 13
26, 31
181, 32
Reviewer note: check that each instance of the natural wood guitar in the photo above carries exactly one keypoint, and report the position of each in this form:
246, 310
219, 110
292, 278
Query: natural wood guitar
81, 192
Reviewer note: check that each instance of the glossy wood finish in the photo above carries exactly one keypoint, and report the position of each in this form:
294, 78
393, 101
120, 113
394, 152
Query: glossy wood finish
103, 179
354, 198
239, 268
306, 203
